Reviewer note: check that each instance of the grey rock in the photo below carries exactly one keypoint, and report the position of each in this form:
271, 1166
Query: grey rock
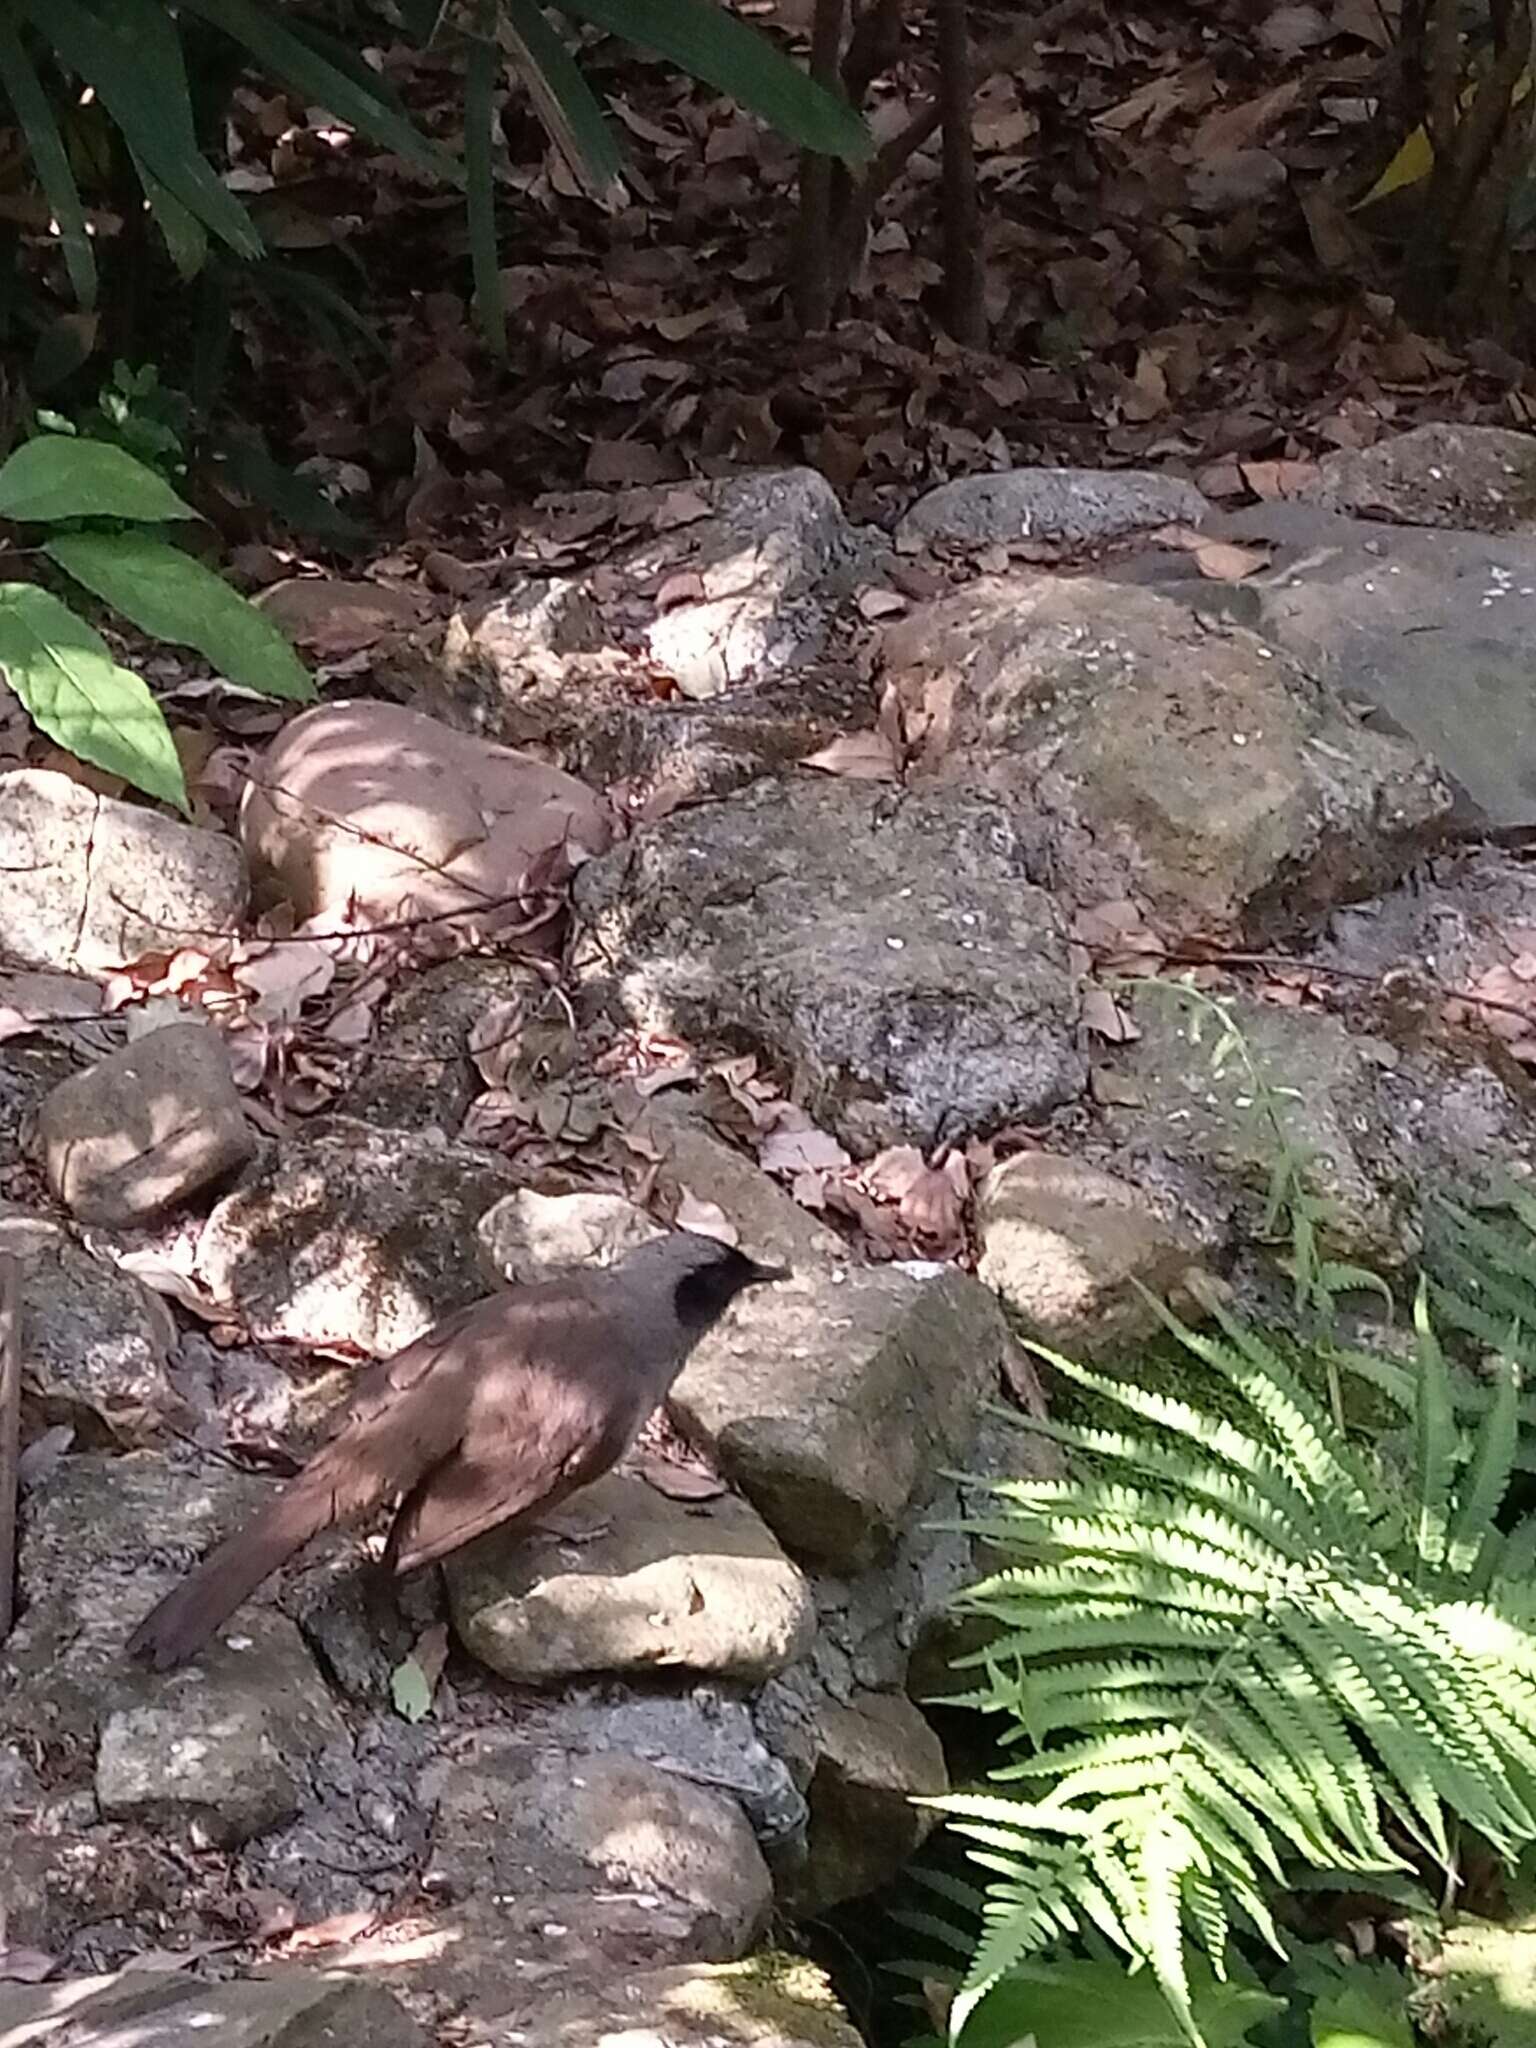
1438, 474
146, 1130
219, 1752
1071, 506
537, 1831
771, 2001
1158, 753
418, 1071
96, 1339
668, 754
833, 1398
747, 568
58, 1879
877, 1755
352, 1234
891, 950
650, 1584
1434, 630
691, 1159
528, 1236
102, 1537
287, 2009
1070, 1250
1173, 1105
92, 883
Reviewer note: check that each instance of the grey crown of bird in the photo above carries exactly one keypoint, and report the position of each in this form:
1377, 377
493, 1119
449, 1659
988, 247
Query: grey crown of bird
496, 1413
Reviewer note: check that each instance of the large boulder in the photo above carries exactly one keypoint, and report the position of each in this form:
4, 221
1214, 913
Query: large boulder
893, 951
1153, 752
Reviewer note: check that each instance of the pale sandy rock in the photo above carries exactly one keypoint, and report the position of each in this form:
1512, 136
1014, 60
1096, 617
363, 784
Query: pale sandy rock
92, 883
650, 1584
369, 806
146, 1130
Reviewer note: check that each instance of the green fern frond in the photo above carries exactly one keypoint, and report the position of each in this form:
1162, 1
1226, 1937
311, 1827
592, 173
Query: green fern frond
1230, 1646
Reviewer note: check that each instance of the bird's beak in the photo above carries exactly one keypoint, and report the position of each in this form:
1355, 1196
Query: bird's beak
762, 1274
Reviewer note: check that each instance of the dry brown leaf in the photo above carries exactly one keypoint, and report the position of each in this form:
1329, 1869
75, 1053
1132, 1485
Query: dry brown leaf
1239, 127
796, 1147
860, 756
707, 1218
1223, 561
1280, 479
1108, 1018
332, 1932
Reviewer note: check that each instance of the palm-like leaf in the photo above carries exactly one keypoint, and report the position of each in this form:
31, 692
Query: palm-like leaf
1221, 1646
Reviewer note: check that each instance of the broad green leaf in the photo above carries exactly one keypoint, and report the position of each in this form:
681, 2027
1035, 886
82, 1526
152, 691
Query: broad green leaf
63, 672
136, 92
1362, 2012
324, 84
706, 42
481, 68
164, 591
57, 476
34, 113
563, 100
1077, 2004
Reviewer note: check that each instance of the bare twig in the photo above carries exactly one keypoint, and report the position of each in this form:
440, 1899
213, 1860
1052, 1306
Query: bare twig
10, 1431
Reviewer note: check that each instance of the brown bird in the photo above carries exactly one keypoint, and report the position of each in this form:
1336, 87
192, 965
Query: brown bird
498, 1411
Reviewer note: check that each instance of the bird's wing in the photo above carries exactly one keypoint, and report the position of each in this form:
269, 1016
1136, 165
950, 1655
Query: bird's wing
382, 1385
535, 1434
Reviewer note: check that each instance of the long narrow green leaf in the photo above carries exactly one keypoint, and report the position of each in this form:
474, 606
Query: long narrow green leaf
564, 102
709, 44
324, 84
481, 68
34, 116
1435, 1440
136, 95
1486, 1480
155, 29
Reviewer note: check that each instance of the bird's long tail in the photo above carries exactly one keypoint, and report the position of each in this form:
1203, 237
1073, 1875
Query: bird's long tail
184, 1620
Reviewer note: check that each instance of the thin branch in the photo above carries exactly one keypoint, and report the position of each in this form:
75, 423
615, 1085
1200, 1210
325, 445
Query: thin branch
10, 1431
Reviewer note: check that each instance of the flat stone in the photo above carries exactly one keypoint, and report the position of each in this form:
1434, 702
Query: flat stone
891, 950
1149, 752
1070, 1249
287, 2009
692, 1160
529, 1236
1440, 474
832, 1402
92, 883
146, 1130
539, 1831
352, 1234
770, 2001
878, 1755
1072, 506
651, 1584
1436, 630
102, 1538
218, 1752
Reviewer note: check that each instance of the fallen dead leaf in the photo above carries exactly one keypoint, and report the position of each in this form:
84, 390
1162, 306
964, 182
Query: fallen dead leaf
707, 1218
1223, 561
805, 1149
332, 1932
859, 756
1108, 1018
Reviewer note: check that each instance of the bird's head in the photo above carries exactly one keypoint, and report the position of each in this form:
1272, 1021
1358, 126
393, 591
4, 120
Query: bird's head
704, 1275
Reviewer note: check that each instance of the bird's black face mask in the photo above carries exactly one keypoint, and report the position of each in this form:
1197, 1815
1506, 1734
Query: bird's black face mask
702, 1297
